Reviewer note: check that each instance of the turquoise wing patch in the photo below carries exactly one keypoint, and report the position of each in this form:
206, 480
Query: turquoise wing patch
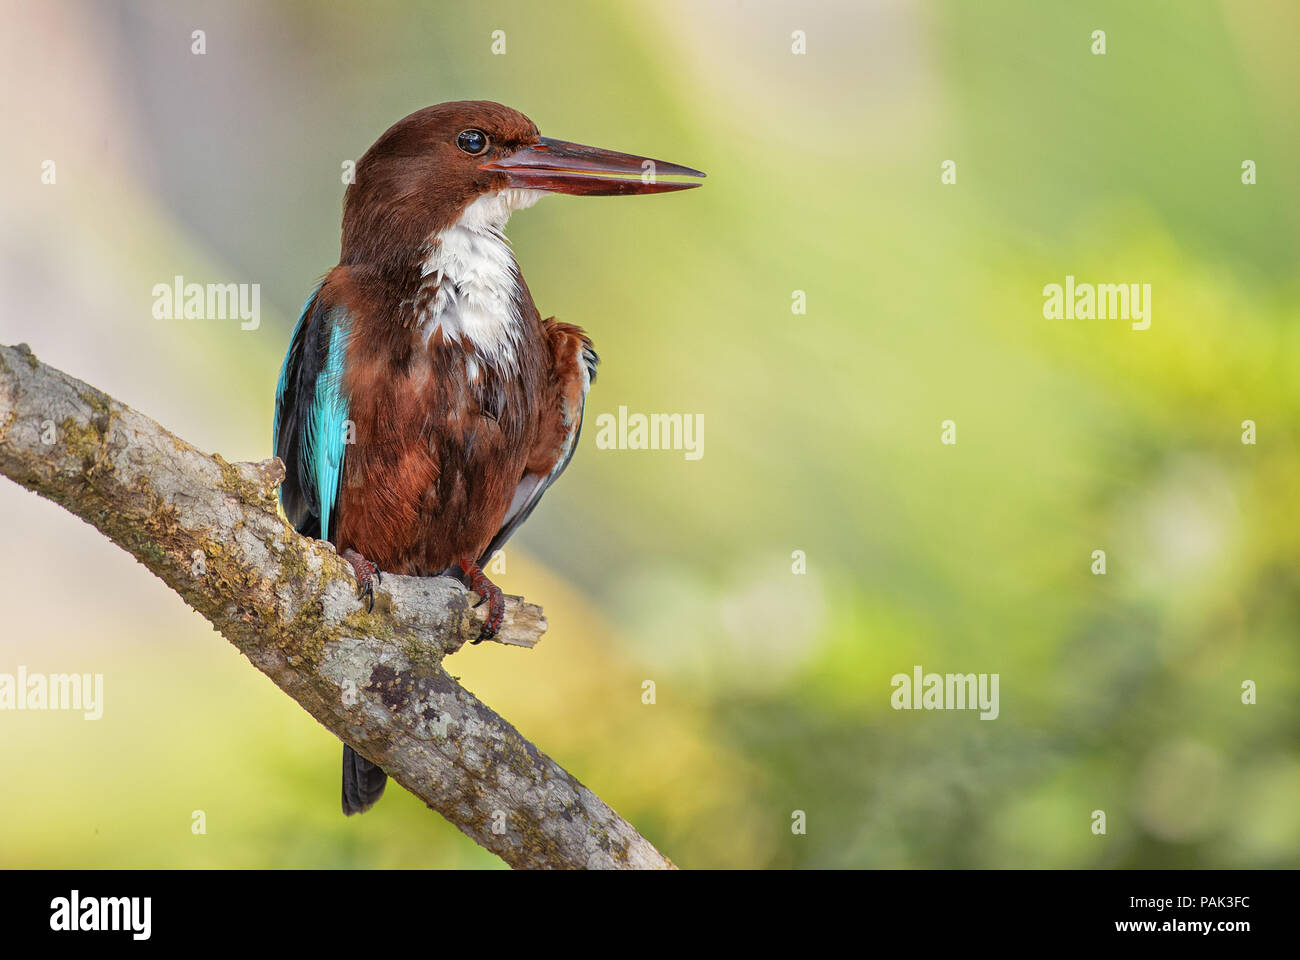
328, 428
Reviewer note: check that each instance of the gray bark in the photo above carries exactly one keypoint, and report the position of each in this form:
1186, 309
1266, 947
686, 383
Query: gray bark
212, 531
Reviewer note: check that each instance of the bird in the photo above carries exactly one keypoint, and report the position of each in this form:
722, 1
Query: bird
424, 406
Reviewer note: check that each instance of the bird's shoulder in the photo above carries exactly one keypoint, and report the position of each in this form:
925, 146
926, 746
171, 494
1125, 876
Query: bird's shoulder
573, 357
572, 370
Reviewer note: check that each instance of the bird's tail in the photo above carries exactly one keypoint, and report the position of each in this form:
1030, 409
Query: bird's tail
363, 782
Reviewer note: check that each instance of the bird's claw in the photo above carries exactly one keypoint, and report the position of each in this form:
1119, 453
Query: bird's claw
490, 594
367, 576
496, 602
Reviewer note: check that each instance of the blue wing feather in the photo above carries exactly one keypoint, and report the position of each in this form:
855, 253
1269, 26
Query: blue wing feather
288, 366
310, 430
328, 428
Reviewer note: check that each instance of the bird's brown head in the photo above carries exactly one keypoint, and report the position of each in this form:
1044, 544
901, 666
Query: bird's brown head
427, 170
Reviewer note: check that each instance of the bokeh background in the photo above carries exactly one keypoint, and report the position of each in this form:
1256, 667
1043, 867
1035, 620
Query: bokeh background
822, 430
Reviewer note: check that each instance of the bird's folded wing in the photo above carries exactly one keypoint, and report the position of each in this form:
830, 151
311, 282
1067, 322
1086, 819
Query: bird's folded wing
573, 371
311, 414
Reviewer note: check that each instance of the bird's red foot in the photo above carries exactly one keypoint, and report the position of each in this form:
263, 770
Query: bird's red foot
487, 591
367, 576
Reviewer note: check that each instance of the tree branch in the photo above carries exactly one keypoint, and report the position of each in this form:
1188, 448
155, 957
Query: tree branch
211, 530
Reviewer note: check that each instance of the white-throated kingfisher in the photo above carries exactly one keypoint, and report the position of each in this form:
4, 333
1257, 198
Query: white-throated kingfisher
424, 405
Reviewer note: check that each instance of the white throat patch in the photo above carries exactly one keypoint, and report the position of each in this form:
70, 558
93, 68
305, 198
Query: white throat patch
478, 280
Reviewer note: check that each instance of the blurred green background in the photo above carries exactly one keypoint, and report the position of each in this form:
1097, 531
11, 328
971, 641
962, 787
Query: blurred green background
822, 430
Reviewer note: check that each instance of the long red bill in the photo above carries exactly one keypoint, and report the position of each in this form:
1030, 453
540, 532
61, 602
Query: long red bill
563, 167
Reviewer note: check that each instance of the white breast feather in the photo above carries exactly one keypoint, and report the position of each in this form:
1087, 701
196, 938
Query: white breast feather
478, 281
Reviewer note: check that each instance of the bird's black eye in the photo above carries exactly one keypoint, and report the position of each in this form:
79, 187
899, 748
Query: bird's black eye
472, 142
